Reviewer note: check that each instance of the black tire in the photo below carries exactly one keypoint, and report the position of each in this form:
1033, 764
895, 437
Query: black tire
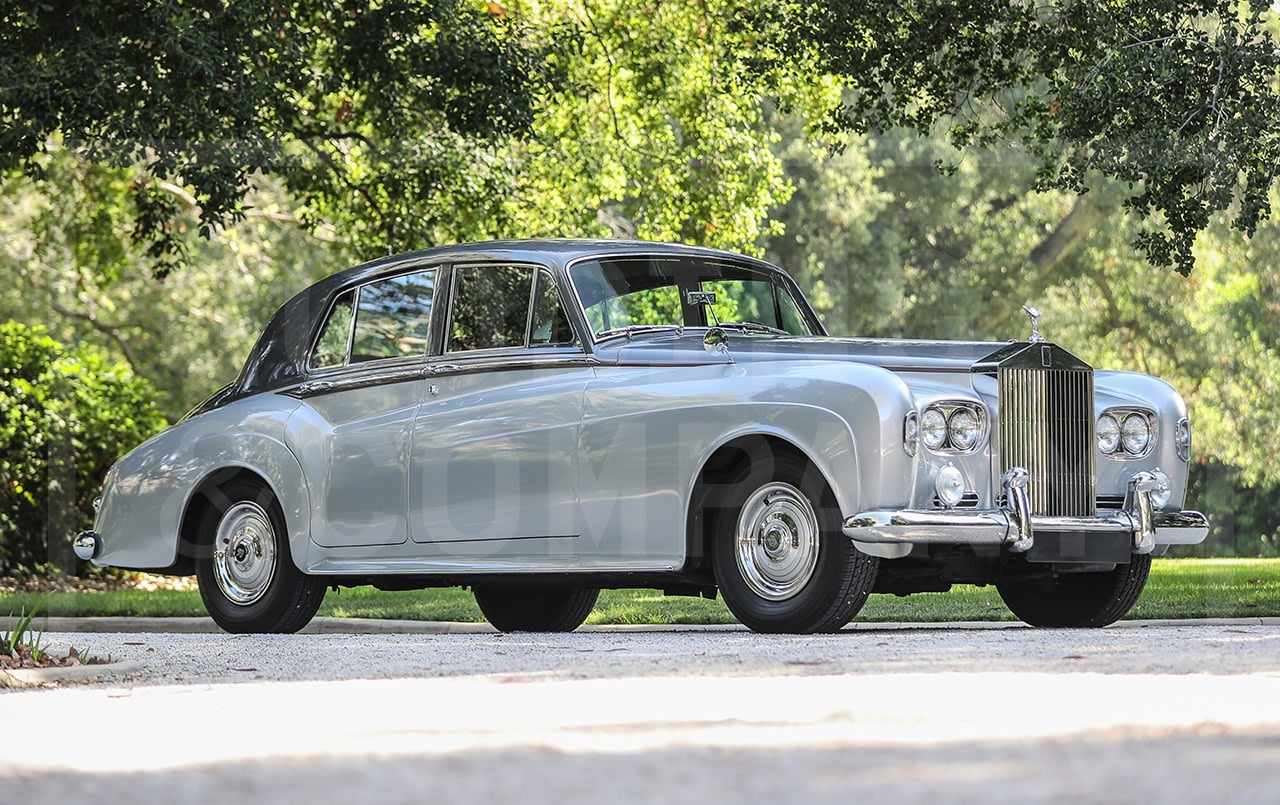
533, 609
1074, 600
841, 578
287, 600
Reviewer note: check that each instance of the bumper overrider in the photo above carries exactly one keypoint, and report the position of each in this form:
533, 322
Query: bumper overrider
1013, 526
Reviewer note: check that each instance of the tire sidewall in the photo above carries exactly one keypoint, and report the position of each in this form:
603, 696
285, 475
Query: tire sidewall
814, 599
272, 606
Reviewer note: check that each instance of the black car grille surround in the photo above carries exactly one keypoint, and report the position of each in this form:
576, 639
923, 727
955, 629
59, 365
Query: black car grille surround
1046, 425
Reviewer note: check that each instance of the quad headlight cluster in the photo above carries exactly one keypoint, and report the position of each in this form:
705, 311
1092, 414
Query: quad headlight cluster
1126, 433
945, 427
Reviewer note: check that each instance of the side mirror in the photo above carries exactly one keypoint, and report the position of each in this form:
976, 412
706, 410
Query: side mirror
716, 341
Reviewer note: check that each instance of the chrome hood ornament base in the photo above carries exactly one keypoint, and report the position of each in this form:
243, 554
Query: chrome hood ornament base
1034, 315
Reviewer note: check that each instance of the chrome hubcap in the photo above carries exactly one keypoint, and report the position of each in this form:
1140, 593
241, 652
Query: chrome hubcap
777, 541
244, 553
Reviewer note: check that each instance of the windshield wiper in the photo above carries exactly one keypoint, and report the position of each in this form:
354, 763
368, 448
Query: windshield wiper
752, 327
638, 328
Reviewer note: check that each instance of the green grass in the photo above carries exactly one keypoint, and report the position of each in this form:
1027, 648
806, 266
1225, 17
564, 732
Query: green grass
1179, 588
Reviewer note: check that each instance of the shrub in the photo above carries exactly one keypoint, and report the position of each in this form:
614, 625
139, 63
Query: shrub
66, 413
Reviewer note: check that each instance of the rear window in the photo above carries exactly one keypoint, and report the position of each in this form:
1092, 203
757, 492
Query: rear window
393, 317
331, 349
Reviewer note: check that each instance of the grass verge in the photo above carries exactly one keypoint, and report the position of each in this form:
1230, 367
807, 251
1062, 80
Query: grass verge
1178, 588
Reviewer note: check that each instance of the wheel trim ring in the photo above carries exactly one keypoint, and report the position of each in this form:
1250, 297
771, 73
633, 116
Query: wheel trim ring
776, 541
244, 553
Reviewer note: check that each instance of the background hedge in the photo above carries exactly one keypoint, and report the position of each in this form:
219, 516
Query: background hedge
66, 413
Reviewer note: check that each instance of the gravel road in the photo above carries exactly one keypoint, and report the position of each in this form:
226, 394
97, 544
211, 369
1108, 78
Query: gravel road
1173, 713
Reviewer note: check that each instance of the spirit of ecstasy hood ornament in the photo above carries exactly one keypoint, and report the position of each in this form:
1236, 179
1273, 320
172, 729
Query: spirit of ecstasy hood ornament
1034, 315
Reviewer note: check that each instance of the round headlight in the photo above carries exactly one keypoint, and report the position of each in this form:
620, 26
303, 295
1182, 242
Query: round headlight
964, 428
1108, 434
933, 428
911, 433
1135, 434
1163, 491
950, 486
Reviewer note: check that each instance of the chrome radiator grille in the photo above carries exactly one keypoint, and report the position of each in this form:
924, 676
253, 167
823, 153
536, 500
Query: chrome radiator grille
1046, 426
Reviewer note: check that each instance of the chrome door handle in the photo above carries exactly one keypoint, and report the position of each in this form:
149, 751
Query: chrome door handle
444, 368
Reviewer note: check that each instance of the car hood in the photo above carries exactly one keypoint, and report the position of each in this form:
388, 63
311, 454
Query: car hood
890, 353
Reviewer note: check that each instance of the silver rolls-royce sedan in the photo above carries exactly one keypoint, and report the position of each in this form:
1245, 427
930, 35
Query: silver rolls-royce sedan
539, 420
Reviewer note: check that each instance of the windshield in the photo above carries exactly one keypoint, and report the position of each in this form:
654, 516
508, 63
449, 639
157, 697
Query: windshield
618, 293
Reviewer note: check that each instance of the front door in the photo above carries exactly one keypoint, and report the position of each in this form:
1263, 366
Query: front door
493, 465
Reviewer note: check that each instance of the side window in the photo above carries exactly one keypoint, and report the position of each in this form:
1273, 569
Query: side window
393, 317
490, 307
331, 349
792, 320
550, 323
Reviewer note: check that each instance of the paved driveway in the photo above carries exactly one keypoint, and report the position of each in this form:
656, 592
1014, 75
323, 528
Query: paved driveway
1177, 713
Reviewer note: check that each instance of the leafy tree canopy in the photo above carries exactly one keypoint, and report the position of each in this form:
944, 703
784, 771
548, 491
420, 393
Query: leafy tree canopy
1179, 100
411, 122
209, 93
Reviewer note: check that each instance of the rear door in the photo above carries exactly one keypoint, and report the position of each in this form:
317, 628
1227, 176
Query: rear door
355, 427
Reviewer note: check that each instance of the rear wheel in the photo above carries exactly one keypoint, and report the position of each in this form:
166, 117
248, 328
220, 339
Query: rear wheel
1075, 599
515, 609
247, 577
780, 557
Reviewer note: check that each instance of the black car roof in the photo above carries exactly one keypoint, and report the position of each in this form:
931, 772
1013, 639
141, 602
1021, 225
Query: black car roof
279, 356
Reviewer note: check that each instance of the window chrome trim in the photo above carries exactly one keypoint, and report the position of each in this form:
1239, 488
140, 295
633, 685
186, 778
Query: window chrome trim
1120, 412
367, 376
575, 358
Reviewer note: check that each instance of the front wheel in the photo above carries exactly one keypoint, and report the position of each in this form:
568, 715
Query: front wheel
780, 556
1075, 600
248, 581
515, 609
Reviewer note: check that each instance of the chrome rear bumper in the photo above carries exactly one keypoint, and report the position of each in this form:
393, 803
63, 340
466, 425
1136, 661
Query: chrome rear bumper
1014, 527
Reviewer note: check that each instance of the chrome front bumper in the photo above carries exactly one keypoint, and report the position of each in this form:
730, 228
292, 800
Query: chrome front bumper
1014, 527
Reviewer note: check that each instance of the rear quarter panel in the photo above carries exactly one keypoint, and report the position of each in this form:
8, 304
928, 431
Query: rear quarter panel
148, 490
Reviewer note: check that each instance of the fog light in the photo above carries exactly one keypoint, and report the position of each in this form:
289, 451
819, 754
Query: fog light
1163, 491
950, 486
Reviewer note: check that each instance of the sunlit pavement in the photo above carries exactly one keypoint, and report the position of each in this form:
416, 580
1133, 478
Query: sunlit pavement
1187, 713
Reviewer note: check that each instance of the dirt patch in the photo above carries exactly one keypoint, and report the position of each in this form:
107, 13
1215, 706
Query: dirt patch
101, 582
24, 656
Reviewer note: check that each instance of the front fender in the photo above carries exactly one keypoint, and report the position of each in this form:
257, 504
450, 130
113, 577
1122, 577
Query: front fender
648, 432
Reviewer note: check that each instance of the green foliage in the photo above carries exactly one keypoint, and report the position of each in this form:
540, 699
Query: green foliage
657, 130
68, 414
1177, 101
367, 110
69, 255
21, 634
